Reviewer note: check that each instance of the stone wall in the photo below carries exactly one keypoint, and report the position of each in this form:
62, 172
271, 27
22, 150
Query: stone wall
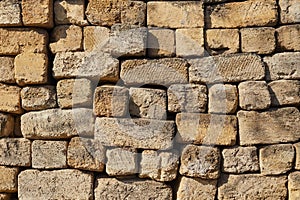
119, 99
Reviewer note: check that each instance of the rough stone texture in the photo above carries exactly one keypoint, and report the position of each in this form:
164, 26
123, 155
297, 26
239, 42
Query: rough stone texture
37, 13
74, 93
254, 95
10, 100
270, 127
289, 11
242, 14
175, 14
57, 123
66, 38
135, 133
7, 123
189, 42
111, 101
230, 68
288, 37
80, 64
161, 43
283, 66
15, 152
134, 12
86, 154
200, 161
252, 186
10, 13
187, 98
285, 92
297, 149
196, 188
223, 41
95, 38
7, 69
223, 98
276, 159
17, 40
240, 160
294, 185
131, 189
49, 154
148, 103
38, 97
8, 179
58, 184
258, 40
121, 162
166, 71
206, 129
5, 196
160, 166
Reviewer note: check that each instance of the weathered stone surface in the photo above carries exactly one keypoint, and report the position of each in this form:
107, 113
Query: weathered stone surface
121, 162
270, 127
223, 41
57, 123
7, 123
285, 92
166, 71
10, 13
161, 43
242, 14
38, 97
86, 154
135, 133
74, 93
252, 186
7, 69
276, 159
66, 38
294, 185
148, 103
258, 40
187, 98
200, 161
297, 148
175, 14
80, 64
160, 166
288, 37
111, 101
131, 189
240, 160
223, 98
49, 154
95, 38
134, 12
189, 42
8, 179
58, 184
206, 129
254, 95
15, 152
230, 68
37, 13
289, 11
196, 188
10, 100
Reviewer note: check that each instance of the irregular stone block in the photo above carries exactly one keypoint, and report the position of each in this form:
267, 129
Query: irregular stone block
166, 71
10, 13
15, 152
160, 166
139, 189
95, 37
206, 129
288, 37
8, 179
57, 184
254, 95
294, 185
289, 11
227, 68
240, 160
270, 127
7, 123
161, 43
134, 12
86, 154
175, 14
7, 69
285, 92
135, 133
200, 161
297, 149
10, 100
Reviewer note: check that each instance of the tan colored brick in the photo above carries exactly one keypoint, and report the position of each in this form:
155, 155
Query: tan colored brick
7, 69
7, 123
10, 100
288, 37
8, 179
10, 13
161, 43
289, 11
297, 149
134, 12
95, 38
285, 92
294, 185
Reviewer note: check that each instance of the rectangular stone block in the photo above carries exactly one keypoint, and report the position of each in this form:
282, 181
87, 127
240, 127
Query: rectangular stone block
227, 68
288, 37
95, 37
134, 12
69, 12
289, 11
8, 179
57, 184
161, 43
7, 69
10, 13
7, 123
207, 129
294, 185
297, 160
285, 92
269, 127
135, 133
15, 152
10, 100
